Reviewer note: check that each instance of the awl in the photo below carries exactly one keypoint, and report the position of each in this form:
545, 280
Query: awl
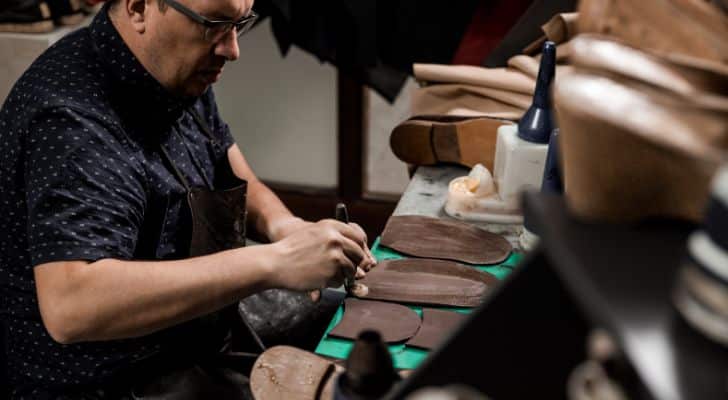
342, 215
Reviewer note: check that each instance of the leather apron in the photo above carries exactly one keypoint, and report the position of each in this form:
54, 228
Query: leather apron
218, 216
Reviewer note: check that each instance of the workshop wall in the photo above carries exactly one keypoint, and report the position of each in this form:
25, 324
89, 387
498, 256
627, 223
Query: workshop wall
282, 112
384, 174
19, 50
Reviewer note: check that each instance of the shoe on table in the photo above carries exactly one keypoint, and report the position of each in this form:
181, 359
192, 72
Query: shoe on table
428, 140
25, 16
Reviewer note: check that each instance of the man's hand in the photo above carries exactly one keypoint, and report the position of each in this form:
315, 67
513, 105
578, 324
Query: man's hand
287, 226
372, 261
320, 255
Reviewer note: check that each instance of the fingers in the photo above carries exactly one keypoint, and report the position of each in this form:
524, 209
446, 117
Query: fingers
360, 232
355, 233
351, 231
351, 241
345, 269
372, 261
354, 252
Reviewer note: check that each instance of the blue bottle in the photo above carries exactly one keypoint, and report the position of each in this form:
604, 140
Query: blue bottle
537, 123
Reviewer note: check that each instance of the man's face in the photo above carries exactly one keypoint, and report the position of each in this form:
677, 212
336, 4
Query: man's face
184, 61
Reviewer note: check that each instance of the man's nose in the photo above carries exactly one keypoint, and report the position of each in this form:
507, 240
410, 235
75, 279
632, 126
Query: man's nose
228, 46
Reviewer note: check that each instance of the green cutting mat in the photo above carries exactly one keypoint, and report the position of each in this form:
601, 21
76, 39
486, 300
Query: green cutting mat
404, 357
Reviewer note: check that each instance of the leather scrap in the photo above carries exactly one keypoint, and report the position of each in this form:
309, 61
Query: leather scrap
426, 281
529, 66
436, 325
459, 99
428, 237
288, 373
496, 78
394, 322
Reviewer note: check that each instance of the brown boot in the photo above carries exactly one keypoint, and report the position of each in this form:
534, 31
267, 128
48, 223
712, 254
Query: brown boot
428, 140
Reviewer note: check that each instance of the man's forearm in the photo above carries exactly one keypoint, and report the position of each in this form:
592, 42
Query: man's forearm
266, 213
269, 216
114, 299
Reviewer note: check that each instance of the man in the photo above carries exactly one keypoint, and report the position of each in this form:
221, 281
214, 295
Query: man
104, 143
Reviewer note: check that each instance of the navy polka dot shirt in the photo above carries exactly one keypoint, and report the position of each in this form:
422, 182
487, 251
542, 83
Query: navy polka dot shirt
81, 178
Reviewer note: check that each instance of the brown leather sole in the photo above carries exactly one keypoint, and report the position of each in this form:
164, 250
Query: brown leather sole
426, 281
444, 239
459, 140
288, 373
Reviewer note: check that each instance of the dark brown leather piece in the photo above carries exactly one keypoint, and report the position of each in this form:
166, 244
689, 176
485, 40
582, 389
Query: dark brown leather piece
288, 373
428, 237
218, 219
394, 322
444, 142
436, 325
426, 281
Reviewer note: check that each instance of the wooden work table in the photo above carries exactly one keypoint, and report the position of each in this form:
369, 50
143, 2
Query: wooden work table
426, 195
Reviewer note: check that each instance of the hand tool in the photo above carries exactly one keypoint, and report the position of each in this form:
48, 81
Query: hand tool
342, 215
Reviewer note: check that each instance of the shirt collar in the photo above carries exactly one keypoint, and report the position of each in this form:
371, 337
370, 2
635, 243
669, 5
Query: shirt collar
131, 80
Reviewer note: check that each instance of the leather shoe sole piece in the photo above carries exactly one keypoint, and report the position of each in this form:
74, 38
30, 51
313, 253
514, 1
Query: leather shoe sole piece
461, 140
288, 373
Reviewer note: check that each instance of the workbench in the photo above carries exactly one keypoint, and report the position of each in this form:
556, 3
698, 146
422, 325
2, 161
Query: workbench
583, 276
425, 195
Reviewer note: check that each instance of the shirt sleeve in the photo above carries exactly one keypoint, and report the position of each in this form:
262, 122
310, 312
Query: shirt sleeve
85, 190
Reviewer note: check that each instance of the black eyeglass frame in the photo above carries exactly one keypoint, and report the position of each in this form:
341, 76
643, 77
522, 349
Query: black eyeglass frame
241, 26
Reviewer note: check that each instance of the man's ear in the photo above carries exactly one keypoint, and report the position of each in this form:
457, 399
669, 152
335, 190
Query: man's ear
136, 11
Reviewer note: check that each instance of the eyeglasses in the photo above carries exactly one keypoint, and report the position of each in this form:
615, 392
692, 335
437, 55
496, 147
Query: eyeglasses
216, 30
